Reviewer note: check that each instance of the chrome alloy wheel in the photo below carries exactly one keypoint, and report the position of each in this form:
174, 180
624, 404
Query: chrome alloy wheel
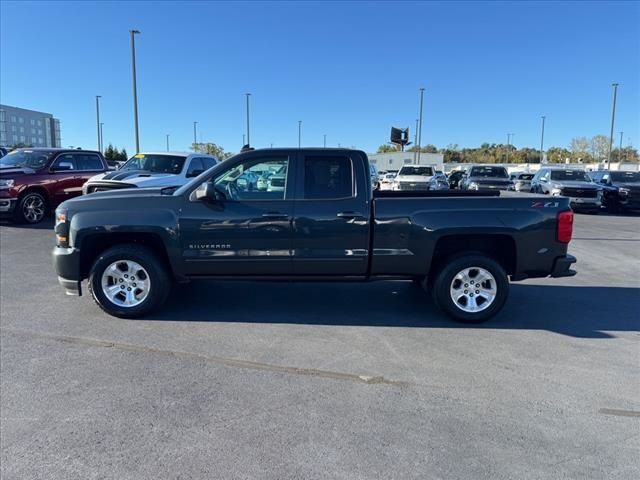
125, 283
33, 208
473, 289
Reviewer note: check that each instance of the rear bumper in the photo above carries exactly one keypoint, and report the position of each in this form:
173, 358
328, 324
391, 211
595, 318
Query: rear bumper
66, 262
562, 267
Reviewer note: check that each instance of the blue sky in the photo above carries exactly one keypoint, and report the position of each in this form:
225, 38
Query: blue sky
348, 70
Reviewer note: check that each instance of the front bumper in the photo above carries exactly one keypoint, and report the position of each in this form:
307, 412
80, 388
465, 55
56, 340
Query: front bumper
562, 267
66, 262
8, 205
585, 203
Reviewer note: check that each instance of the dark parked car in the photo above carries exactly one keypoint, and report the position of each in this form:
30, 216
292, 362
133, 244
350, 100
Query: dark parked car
326, 223
35, 180
455, 177
572, 183
485, 177
620, 190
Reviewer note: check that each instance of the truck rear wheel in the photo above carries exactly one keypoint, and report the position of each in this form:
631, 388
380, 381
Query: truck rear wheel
128, 281
471, 288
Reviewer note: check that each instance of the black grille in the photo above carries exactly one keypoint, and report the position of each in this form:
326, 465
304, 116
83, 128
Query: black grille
419, 186
580, 192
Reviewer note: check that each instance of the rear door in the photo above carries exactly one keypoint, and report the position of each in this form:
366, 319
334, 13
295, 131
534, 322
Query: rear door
331, 215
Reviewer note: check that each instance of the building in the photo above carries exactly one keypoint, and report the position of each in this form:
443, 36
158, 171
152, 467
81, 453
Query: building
28, 127
395, 160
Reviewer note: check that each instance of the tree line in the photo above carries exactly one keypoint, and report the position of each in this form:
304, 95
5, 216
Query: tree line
580, 150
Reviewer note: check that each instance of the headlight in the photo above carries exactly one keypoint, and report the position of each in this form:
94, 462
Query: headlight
556, 192
61, 229
6, 183
623, 191
474, 186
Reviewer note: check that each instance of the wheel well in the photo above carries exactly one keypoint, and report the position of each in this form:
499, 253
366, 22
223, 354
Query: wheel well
501, 248
94, 245
40, 190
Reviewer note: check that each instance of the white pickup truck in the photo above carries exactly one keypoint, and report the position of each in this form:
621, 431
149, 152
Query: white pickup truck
414, 177
152, 170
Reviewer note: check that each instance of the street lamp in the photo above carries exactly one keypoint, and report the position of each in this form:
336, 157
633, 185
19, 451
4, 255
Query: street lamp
248, 136
613, 117
325, 140
542, 141
135, 88
101, 137
620, 149
299, 133
420, 124
98, 97
195, 140
167, 135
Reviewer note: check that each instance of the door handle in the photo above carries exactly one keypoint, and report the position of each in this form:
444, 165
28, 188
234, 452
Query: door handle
275, 215
350, 215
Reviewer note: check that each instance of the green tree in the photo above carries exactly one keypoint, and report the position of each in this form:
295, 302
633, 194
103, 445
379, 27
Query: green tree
386, 148
123, 155
211, 149
599, 147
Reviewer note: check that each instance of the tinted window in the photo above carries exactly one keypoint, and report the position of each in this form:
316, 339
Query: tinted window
525, 176
155, 163
328, 177
65, 162
493, 172
25, 158
625, 176
195, 167
88, 161
208, 162
578, 175
425, 171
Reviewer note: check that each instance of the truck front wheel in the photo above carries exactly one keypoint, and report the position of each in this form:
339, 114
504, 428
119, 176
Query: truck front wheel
471, 288
128, 281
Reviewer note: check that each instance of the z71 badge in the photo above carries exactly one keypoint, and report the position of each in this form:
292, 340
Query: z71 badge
545, 204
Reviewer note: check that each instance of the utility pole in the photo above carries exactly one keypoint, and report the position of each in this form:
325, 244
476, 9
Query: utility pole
195, 139
420, 124
167, 142
244, 140
248, 136
620, 149
508, 143
98, 97
101, 137
415, 142
135, 88
299, 133
325, 140
613, 118
542, 141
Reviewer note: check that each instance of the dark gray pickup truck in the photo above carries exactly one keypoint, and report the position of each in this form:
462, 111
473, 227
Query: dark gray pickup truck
322, 222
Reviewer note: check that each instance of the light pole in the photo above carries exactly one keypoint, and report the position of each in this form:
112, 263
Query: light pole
420, 124
195, 139
325, 140
542, 141
620, 149
98, 97
243, 140
613, 118
167, 135
135, 88
248, 136
101, 137
508, 143
415, 142
299, 133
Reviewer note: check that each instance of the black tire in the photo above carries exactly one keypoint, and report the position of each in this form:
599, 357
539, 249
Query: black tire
159, 280
445, 276
20, 214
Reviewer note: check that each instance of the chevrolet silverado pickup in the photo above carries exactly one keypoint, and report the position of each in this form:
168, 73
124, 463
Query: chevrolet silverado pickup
325, 224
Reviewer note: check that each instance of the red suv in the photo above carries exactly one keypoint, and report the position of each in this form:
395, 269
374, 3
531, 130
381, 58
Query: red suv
33, 181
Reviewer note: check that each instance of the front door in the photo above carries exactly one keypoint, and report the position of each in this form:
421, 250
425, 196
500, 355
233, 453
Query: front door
248, 230
331, 215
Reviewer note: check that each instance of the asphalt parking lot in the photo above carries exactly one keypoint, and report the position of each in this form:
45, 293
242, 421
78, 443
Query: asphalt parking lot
247, 380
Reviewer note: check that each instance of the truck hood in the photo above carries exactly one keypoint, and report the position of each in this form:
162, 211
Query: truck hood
141, 178
414, 178
122, 194
12, 172
574, 184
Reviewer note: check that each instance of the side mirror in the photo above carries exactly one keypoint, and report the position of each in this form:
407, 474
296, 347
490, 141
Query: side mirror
207, 193
194, 173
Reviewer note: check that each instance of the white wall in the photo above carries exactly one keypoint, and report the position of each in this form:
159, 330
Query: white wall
395, 160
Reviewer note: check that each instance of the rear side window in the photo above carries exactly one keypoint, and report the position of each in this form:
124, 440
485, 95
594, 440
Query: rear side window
208, 162
88, 161
328, 177
195, 167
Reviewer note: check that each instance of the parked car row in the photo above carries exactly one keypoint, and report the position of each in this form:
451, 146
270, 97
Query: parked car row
33, 181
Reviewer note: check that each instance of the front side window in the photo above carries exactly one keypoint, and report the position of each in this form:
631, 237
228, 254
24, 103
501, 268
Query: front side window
156, 163
328, 177
208, 162
255, 179
195, 168
64, 162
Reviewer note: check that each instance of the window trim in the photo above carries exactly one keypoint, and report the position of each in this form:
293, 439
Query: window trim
75, 154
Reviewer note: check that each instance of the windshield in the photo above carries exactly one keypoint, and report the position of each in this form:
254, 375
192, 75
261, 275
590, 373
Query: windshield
156, 163
25, 158
525, 176
574, 175
493, 172
426, 171
630, 177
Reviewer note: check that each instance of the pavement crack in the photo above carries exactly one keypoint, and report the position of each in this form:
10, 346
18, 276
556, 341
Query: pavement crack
229, 362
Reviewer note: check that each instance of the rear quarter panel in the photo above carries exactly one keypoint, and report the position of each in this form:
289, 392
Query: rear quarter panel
407, 230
